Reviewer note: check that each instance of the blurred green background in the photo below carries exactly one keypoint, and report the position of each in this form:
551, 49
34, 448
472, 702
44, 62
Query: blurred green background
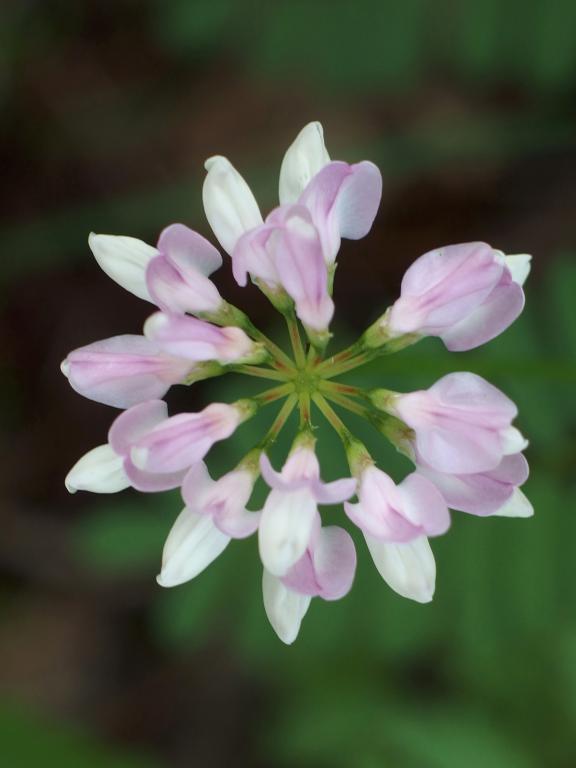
108, 111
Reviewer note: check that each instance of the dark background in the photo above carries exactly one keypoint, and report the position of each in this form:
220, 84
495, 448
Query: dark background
108, 112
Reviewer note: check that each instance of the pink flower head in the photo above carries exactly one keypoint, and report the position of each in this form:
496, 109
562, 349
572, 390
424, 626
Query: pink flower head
194, 339
465, 294
174, 444
398, 512
494, 492
462, 424
291, 509
124, 370
178, 277
223, 500
325, 570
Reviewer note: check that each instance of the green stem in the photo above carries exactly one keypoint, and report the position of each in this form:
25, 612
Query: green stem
342, 389
273, 394
333, 419
305, 410
341, 357
261, 373
295, 339
354, 362
279, 421
349, 405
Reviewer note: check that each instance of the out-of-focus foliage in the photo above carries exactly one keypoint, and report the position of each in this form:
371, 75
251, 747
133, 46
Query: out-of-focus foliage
499, 640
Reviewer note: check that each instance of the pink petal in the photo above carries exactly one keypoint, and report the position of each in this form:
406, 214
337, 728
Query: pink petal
423, 505
180, 288
481, 493
335, 492
183, 440
299, 261
134, 423
253, 254
491, 318
188, 250
343, 200
123, 370
327, 570
152, 483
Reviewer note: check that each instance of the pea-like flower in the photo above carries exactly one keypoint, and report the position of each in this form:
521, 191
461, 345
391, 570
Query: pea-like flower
459, 435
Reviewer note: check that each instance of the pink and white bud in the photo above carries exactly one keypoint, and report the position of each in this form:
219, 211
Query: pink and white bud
408, 568
465, 294
482, 493
175, 443
284, 608
462, 424
100, 470
343, 200
194, 542
124, 370
178, 277
304, 158
193, 339
229, 204
125, 260
223, 500
401, 512
291, 509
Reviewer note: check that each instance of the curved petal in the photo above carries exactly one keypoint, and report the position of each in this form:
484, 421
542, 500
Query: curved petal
192, 544
335, 492
343, 200
148, 482
303, 159
284, 608
519, 265
409, 569
98, 471
517, 506
124, 259
188, 250
180, 288
123, 370
229, 204
327, 569
253, 254
423, 505
487, 321
135, 422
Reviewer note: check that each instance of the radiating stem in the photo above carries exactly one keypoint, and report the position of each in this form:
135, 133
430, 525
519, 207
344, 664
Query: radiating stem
341, 357
279, 421
349, 365
261, 373
350, 405
295, 339
305, 410
271, 395
283, 362
333, 419
342, 389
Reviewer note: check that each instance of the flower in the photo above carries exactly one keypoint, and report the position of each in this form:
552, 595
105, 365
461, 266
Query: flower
462, 424
458, 434
465, 294
124, 370
291, 509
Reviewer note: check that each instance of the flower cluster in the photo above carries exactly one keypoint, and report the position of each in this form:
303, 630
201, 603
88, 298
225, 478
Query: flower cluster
459, 434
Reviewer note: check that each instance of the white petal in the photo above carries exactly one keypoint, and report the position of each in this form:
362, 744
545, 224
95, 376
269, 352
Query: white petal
519, 265
285, 529
516, 506
100, 470
229, 204
124, 259
304, 158
410, 569
513, 441
192, 544
285, 609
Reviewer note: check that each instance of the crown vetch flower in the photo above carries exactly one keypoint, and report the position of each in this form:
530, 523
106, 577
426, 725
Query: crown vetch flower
124, 370
462, 424
465, 294
459, 433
